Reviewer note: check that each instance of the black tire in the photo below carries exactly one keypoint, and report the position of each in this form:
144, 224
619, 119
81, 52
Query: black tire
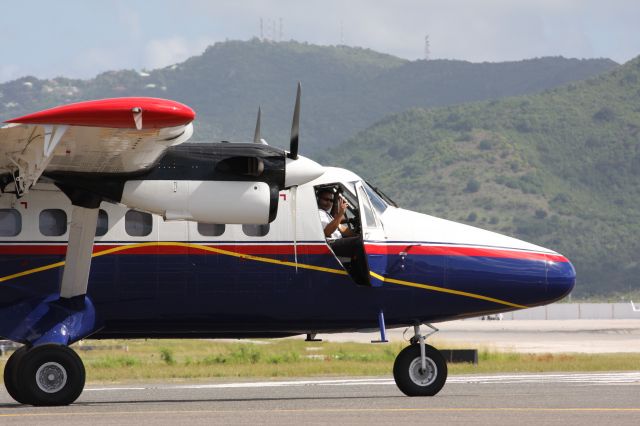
51, 375
11, 369
409, 377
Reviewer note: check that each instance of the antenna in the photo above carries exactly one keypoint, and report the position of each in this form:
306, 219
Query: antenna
261, 30
427, 50
280, 31
341, 33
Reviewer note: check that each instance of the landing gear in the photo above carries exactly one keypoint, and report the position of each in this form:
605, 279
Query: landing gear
44, 375
11, 373
420, 369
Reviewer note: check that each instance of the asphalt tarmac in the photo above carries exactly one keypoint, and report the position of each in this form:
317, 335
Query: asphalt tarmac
566, 399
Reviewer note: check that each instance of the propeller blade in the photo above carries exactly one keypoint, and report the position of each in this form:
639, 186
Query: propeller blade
295, 127
256, 135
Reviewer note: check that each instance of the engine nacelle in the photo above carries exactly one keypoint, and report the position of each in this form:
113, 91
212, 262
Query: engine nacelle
203, 201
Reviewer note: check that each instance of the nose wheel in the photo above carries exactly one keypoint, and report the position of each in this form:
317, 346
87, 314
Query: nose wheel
420, 369
44, 375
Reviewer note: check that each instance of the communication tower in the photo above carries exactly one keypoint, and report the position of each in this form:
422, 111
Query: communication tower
427, 50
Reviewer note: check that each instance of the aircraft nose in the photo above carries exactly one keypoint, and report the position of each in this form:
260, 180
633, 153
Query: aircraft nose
561, 277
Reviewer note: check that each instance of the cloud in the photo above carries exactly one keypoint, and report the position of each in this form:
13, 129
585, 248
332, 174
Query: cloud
160, 53
130, 19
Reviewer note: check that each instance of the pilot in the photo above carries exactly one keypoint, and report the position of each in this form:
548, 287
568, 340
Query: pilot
341, 239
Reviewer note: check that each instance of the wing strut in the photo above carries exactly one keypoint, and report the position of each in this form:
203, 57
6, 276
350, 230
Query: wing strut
75, 277
34, 159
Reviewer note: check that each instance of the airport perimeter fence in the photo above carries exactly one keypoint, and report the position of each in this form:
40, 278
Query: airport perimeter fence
569, 311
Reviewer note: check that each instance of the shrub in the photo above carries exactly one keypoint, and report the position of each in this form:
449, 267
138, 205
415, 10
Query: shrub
605, 114
540, 214
167, 356
472, 186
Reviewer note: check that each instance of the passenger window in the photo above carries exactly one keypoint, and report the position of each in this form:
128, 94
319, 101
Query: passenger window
10, 222
138, 224
53, 222
103, 223
255, 230
211, 229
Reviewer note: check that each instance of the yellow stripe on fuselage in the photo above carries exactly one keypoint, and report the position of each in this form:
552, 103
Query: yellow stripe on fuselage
445, 290
179, 244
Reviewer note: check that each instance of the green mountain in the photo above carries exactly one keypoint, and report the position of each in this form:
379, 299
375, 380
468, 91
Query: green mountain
560, 169
345, 89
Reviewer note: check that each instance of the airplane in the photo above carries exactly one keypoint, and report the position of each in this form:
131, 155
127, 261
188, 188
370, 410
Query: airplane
112, 225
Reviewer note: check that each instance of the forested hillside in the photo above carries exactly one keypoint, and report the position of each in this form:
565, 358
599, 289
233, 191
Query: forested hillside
345, 89
560, 169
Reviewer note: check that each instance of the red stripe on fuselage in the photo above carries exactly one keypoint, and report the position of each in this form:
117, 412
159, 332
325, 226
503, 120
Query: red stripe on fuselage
287, 249
461, 251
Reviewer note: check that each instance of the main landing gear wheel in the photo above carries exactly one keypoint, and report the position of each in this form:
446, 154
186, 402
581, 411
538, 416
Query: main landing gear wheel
11, 373
409, 375
47, 375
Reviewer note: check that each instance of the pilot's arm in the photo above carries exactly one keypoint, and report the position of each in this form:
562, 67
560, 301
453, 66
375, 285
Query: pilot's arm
336, 223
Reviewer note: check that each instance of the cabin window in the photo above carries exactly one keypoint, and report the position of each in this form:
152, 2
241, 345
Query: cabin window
103, 223
53, 222
10, 222
255, 230
138, 224
211, 229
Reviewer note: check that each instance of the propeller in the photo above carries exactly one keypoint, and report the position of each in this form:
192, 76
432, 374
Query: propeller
256, 135
295, 127
299, 169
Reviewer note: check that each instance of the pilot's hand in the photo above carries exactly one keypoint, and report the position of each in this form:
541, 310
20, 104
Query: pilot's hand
342, 205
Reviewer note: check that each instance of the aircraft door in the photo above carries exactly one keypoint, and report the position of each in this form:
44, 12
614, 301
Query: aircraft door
373, 238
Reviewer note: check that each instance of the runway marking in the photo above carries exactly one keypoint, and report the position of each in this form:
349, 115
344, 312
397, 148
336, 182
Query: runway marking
329, 410
632, 378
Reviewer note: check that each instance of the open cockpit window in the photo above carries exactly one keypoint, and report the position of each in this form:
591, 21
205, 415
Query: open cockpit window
342, 227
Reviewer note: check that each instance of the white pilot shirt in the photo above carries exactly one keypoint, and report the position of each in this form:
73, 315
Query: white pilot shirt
325, 219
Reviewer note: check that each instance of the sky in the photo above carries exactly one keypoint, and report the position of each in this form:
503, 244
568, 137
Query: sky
80, 39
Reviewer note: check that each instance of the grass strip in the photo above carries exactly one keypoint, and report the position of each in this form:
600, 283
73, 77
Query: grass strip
127, 360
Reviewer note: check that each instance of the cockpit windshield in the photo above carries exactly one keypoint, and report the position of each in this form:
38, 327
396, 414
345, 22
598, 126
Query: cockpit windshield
378, 199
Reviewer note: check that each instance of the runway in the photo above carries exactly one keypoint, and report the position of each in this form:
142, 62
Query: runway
567, 399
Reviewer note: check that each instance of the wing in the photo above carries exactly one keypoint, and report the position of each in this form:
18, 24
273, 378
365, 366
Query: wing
108, 136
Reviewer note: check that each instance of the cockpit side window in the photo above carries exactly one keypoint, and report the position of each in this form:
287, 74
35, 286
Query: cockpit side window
378, 203
369, 219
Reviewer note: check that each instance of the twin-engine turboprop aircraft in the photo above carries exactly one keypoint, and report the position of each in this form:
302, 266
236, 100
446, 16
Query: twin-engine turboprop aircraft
112, 227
